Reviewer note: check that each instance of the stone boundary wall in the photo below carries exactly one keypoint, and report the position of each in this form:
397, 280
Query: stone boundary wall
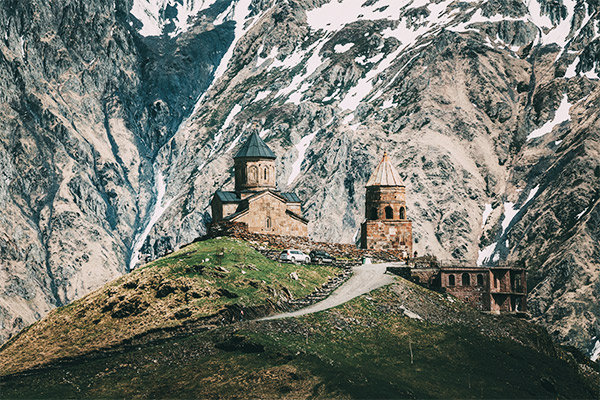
276, 242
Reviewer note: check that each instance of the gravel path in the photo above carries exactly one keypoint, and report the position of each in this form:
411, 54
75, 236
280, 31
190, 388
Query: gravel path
365, 278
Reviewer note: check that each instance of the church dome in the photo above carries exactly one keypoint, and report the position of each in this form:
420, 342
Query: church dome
385, 174
255, 147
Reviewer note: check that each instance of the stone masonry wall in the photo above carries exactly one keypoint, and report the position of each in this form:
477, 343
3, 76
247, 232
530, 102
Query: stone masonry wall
387, 235
380, 197
267, 215
279, 242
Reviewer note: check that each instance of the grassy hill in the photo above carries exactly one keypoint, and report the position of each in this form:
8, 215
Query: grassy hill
201, 285
400, 341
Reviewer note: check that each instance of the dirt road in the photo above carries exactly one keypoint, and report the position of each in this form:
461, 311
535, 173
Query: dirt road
366, 278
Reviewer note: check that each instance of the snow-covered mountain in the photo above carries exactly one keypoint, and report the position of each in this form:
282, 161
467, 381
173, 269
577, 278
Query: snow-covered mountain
172, 17
488, 108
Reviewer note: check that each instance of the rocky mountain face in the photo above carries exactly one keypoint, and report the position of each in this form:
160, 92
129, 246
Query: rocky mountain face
114, 139
85, 105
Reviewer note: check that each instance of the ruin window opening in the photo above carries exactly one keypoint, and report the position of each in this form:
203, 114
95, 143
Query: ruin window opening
479, 280
466, 279
389, 213
451, 280
402, 213
517, 283
373, 213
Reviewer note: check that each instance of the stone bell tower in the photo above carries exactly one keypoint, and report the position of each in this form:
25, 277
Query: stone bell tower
386, 226
254, 167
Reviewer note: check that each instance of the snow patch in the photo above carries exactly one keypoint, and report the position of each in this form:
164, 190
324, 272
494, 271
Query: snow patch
148, 12
591, 74
217, 140
239, 14
348, 118
301, 147
536, 16
264, 133
22, 44
581, 213
571, 69
486, 213
387, 104
561, 115
531, 195
310, 67
234, 111
559, 34
485, 254
342, 48
509, 214
596, 351
331, 96
263, 94
234, 143
157, 212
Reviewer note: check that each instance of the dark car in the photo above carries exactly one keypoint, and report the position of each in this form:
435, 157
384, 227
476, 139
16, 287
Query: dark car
320, 256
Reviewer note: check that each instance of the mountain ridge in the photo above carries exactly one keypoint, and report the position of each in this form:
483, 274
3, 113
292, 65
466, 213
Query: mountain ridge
451, 90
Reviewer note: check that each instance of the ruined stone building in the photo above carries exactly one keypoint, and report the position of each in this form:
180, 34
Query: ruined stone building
498, 289
386, 226
256, 201
495, 289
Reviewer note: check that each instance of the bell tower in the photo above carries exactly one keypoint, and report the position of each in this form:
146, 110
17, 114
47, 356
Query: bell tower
386, 226
254, 165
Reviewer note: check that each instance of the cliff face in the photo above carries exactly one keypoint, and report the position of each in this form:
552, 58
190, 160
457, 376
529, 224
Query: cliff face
85, 105
488, 109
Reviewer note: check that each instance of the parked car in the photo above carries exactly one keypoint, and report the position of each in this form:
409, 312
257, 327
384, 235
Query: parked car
320, 256
294, 256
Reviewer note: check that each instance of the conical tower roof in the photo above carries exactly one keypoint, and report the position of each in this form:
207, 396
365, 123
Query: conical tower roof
385, 174
255, 147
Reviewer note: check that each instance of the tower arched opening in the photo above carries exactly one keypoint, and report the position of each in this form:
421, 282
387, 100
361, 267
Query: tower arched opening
389, 213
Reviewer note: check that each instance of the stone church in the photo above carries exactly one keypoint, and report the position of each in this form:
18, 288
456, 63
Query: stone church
256, 200
386, 226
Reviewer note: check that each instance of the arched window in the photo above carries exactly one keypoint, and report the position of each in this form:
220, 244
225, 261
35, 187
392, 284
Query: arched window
517, 283
451, 280
373, 214
252, 174
466, 279
479, 280
389, 213
402, 213
266, 174
268, 223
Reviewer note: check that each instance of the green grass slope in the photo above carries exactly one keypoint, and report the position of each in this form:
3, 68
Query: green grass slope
400, 341
203, 284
